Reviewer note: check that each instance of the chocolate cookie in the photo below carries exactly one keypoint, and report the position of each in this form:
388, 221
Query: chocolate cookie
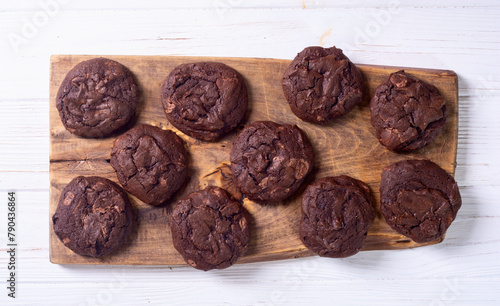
419, 199
94, 216
336, 214
269, 161
204, 100
322, 84
150, 163
97, 97
407, 113
210, 229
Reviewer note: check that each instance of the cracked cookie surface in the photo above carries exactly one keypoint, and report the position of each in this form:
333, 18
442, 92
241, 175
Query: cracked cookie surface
407, 113
97, 97
419, 199
322, 84
210, 229
150, 163
336, 215
204, 100
93, 217
269, 161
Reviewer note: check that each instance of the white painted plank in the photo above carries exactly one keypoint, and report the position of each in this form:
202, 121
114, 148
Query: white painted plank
230, 4
262, 33
24, 145
447, 291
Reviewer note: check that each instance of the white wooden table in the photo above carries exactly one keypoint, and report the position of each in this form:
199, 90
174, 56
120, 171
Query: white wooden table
459, 35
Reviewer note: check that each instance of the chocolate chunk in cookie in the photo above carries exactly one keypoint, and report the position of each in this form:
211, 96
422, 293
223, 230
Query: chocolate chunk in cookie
150, 163
97, 97
94, 216
407, 113
204, 100
336, 214
210, 229
419, 199
322, 84
270, 161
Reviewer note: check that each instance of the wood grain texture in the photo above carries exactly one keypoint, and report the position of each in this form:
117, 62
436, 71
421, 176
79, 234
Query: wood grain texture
346, 146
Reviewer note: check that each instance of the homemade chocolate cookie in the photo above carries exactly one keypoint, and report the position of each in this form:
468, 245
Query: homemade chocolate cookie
204, 100
407, 113
322, 84
210, 229
419, 199
336, 214
97, 97
150, 163
270, 161
94, 216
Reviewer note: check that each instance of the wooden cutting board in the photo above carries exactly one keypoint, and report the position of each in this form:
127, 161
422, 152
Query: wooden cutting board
345, 146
